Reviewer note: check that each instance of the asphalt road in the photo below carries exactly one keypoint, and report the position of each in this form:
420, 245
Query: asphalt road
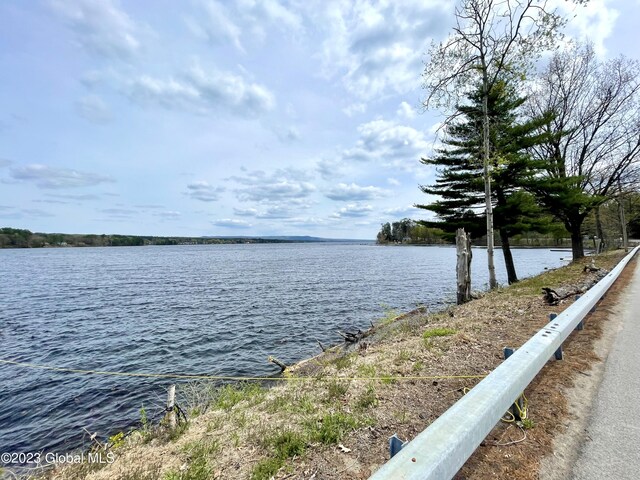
612, 447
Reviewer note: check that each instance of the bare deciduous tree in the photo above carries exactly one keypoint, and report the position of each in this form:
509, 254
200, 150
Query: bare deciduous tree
595, 152
492, 40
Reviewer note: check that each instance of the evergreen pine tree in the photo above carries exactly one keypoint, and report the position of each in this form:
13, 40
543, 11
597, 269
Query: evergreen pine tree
459, 182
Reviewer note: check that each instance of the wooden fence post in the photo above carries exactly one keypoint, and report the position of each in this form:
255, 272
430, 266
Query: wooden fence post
171, 407
463, 267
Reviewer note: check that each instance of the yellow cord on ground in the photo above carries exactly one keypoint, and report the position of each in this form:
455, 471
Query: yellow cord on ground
222, 377
522, 411
509, 417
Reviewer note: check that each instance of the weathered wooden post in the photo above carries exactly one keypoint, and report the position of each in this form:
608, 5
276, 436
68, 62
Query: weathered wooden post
171, 407
463, 267
623, 222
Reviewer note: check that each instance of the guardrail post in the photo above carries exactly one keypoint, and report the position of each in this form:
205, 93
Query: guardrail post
593, 309
395, 445
558, 353
580, 325
518, 405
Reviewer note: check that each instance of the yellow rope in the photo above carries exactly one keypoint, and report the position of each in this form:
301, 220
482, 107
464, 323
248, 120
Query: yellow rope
222, 377
509, 417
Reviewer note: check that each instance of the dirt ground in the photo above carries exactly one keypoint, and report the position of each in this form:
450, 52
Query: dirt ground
332, 420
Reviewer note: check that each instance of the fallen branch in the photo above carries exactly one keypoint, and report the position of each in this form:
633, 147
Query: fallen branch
554, 297
352, 337
274, 360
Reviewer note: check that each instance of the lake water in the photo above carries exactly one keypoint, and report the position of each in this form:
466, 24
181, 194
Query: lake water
211, 310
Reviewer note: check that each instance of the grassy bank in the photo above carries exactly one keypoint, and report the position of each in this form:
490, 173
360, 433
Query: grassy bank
333, 417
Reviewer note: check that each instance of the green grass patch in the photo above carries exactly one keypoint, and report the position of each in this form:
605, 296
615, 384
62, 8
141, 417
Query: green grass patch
228, 396
336, 390
367, 370
288, 444
388, 379
198, 449
438, 332
344, 361
331, 428
266, 468
527, 423
199, 464
117, 440
284, 444
402, 357
367, 399
296, 402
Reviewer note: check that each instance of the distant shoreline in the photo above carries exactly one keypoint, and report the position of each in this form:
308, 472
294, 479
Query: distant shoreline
21, 238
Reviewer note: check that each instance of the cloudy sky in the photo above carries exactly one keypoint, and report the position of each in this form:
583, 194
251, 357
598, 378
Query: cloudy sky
211, 117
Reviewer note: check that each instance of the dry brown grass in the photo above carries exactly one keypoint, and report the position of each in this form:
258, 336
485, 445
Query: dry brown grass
298, 429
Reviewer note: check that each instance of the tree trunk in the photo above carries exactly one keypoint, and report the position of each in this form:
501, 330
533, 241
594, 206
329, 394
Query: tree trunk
577, 248
599, 230
487, 186
463, 266
623, 222
512, 277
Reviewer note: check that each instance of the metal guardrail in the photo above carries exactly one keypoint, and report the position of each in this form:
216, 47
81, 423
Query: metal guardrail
440, 450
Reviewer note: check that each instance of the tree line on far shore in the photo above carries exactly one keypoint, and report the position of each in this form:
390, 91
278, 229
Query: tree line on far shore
605, 225
21, 238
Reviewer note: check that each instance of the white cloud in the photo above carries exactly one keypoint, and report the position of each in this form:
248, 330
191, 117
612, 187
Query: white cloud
168, 93
328, 169
406, 111
246, 212
119, 212
393, 181
151, 206
389, 143
353, 210
594, 22
402, 212
377, 48
45, 176
219, 22
231, 223
74, 196
202, 92
35, 212
287, 135
13, 213
310, 222
94, 109
168, 215
354, 192
231, 90
204, 191
215, 24
272, 212
285, 185
354, 109
101, 27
